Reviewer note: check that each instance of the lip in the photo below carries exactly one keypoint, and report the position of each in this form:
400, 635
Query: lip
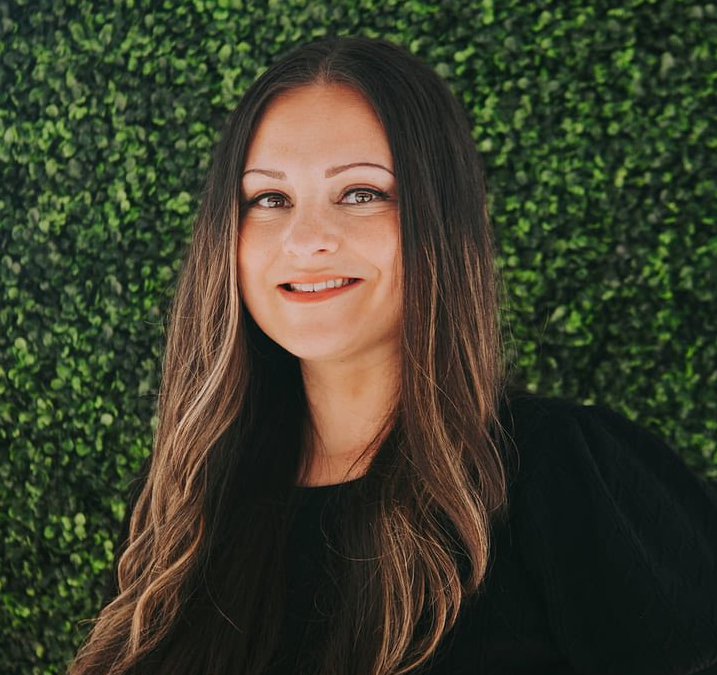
315, 279
317, 296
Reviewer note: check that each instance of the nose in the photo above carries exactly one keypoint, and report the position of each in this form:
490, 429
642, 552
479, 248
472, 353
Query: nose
309, 233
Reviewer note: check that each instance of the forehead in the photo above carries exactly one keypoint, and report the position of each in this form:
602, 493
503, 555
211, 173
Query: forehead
319, 122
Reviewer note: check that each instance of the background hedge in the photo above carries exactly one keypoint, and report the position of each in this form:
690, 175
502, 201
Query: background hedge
598, 129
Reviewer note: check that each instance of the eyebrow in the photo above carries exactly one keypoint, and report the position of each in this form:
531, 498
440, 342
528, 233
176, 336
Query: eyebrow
329, 173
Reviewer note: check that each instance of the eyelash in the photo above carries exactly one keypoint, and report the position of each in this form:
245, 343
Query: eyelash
264, 195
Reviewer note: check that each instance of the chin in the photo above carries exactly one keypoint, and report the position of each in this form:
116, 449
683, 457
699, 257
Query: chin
315, 353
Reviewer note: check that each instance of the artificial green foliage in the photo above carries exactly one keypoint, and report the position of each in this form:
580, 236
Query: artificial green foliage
598, 130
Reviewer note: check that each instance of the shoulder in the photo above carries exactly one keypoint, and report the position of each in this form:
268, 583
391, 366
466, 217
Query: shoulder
554, 434
527, 415
587, 474
619, 536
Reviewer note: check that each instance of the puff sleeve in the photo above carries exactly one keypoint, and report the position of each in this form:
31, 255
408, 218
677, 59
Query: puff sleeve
620, 538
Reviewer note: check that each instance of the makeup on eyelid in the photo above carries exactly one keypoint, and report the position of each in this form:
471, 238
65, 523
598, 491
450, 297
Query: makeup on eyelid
377, 195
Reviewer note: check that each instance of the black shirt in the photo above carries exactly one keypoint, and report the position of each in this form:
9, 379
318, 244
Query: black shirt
606, 565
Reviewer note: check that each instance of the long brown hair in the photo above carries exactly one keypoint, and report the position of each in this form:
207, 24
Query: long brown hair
201, 578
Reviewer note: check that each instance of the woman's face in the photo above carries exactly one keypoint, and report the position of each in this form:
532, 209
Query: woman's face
319, 255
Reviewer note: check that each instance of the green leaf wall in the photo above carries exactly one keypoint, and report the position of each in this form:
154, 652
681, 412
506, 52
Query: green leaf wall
597, 121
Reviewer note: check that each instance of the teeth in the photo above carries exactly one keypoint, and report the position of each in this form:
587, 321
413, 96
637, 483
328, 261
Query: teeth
320, 286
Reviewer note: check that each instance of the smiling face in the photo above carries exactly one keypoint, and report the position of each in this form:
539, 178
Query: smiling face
319, 254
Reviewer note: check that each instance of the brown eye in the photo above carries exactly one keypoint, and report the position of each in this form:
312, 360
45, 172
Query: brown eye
363, 196
269, 200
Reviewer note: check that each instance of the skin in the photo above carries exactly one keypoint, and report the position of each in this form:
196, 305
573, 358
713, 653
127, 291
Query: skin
312, 221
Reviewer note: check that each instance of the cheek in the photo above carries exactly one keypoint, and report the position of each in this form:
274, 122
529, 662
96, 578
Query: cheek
393, 257
252, 254
381, 241
249, 277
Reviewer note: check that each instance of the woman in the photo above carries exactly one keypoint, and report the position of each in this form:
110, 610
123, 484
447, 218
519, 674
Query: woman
341, 482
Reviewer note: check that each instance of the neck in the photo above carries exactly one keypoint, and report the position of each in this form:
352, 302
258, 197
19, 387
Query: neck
349, 405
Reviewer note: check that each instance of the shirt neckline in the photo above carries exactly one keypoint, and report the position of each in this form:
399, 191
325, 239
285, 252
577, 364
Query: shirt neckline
330, 487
